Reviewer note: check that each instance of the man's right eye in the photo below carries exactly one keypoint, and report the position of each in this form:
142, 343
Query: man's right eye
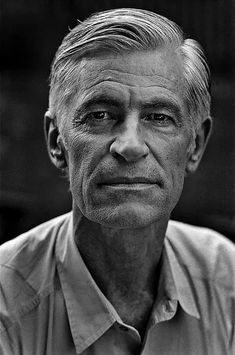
98, 115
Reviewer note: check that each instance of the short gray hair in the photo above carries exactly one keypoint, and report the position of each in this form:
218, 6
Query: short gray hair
123, 30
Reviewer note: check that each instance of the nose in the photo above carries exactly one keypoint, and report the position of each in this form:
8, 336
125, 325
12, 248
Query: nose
129, 144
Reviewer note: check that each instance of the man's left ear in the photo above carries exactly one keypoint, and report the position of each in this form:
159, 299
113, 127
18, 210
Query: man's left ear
198, 145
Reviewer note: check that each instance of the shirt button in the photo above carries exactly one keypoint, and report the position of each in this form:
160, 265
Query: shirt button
168, 307
122, 327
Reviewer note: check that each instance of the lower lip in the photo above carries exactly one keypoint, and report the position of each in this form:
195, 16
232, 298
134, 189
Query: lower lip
134, 186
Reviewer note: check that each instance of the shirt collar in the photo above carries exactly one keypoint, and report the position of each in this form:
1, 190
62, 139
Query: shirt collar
89, 312
178, 281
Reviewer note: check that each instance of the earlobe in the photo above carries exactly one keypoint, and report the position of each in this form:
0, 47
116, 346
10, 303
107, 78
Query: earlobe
198, 145
55, 146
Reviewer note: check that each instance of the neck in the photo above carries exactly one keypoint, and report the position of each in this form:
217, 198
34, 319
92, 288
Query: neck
123, 262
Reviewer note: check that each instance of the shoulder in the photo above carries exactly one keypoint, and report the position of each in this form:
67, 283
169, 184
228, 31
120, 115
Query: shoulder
27, 267
27, 245
197, 237
205, 252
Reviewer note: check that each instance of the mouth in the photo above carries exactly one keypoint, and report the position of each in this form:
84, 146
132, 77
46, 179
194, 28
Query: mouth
128, 183
135, 187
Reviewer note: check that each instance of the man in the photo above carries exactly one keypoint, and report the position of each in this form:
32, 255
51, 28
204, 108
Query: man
128, 119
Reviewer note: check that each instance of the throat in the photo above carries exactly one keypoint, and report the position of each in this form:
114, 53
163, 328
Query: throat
125, 265
131, 288
134, 311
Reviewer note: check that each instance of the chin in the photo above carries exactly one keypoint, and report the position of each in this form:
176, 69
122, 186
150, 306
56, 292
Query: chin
126, 216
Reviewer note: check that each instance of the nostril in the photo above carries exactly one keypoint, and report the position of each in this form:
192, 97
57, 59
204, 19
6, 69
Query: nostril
116, 155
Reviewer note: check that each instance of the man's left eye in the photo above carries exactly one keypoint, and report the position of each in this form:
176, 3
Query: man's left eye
159, 118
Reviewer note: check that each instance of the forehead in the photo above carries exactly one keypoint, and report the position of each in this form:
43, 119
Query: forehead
150, 65
131, 75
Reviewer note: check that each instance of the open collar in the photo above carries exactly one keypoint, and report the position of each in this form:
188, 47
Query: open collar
90, 313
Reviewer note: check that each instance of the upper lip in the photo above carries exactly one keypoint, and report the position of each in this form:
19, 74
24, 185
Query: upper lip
127, 180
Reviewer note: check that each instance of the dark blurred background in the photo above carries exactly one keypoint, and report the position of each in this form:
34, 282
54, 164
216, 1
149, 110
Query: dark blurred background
32, 190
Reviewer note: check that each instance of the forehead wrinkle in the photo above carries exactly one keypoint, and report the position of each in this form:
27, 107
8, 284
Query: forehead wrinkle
116, 71
129, 98
124, 84
97, 89
128, 79
93, 93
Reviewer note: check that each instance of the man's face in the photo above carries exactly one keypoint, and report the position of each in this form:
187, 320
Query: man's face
127, 135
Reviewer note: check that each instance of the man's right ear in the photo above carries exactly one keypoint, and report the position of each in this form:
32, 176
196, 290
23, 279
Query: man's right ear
55, 145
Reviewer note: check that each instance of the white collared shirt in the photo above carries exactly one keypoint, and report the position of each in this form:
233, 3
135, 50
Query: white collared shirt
50, 304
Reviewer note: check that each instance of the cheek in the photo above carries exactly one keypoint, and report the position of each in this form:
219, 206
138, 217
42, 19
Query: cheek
85, 152
172, 155
175, 168
179, 158
171, 151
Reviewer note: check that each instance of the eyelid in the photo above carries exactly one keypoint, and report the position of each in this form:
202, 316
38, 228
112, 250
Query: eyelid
170, 121
176, 117
90, 117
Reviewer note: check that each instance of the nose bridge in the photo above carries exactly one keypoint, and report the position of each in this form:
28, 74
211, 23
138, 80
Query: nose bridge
129, 142
130, 131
